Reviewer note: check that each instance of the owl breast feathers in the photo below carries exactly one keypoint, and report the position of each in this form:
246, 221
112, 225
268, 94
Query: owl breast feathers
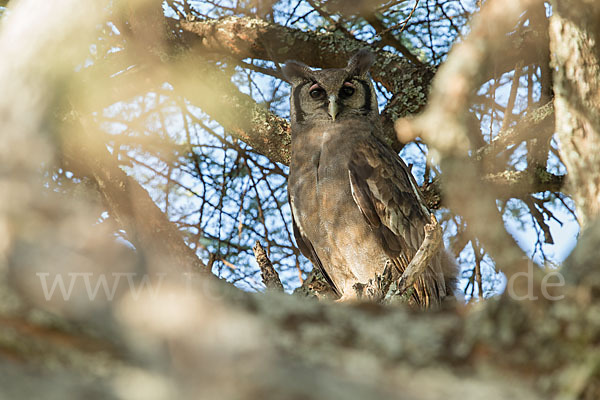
355, 205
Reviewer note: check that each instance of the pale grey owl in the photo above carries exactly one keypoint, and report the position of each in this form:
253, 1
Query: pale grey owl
355, 205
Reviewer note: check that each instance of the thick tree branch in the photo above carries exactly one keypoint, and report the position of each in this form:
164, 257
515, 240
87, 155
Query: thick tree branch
517, 184
253, 38
506, 185
575, 45
537, 124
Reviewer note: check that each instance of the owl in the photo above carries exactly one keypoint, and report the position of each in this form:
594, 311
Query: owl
355, 205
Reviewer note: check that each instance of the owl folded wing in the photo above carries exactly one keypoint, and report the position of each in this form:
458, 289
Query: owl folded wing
386, 194
309, 252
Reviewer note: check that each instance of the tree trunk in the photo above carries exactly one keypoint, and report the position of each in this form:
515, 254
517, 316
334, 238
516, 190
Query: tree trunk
575, 45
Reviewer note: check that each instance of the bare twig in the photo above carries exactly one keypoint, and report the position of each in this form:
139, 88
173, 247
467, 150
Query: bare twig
513, 96
388, 38
538, 217
478, 260
402, 24
269, 275
228, 264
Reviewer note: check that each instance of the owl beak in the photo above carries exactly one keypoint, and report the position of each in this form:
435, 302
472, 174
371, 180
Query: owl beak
333, 107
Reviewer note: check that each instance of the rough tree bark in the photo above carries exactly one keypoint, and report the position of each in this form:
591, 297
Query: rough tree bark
575, 43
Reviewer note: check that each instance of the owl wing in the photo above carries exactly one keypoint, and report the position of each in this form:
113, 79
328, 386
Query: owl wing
309, 252
386, 193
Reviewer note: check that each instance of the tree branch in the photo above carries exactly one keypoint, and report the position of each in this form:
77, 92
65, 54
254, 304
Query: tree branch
457, 79
388, 38
428, 249
212, 90
254, 38
270, 277
517, 184
535, 124
575, 60
127, 201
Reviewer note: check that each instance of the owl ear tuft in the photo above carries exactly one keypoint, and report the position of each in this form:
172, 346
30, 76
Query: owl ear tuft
295, 71
360, 63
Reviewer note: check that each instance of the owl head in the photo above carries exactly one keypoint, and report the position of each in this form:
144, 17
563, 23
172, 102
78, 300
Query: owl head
332, 95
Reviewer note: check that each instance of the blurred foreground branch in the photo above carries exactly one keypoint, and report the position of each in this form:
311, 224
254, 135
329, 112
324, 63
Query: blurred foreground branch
146, 226
575, 45
467, 63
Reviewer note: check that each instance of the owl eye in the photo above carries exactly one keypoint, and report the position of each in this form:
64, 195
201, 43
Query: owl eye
347, 90
316, 92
